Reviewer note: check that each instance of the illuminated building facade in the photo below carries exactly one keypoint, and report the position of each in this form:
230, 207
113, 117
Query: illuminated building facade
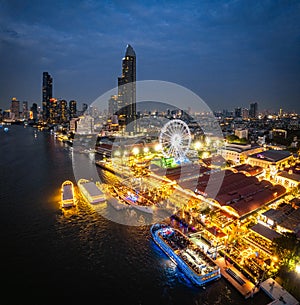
72, 109
53, 111
25, 110
127, 90
47, 95
113, 105
15, 109
63, 111
270, 158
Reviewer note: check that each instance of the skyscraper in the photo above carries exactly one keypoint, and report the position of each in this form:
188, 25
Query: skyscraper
253, 111
72, 109
34, 112
127, 90
15, 108
245, 113
237, 112
47, 95
113, 105
25, 110
63, 111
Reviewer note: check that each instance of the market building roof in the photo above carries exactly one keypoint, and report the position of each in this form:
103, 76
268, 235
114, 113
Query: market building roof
265, 231
272, 155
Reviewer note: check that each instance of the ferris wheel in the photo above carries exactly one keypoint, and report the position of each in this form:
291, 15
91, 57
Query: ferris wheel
175, 139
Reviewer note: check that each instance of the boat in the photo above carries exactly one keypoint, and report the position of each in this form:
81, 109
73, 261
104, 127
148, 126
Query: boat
142, 208
91, 191
67, 194
190, 259
133, 201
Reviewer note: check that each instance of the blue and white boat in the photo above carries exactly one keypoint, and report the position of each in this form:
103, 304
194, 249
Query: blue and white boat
195, 264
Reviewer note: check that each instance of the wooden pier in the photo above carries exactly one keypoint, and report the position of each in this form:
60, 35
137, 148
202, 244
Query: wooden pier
236, 278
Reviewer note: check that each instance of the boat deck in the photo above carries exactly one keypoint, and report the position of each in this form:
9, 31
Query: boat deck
199, 268
67, 192
92, 189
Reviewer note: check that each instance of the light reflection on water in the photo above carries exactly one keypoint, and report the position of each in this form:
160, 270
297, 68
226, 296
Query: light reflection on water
77, 255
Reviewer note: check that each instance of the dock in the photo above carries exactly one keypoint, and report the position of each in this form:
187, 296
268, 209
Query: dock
277, 293
236, 278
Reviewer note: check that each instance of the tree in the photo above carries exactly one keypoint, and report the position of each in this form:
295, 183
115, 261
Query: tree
231, 138
287, 247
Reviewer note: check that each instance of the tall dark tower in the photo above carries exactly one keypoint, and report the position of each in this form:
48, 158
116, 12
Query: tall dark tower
127, 90
47, 95
253, 112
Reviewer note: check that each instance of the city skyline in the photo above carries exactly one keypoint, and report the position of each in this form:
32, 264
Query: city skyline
229, 53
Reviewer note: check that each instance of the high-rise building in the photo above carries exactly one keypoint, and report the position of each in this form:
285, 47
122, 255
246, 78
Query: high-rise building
15, 109
53, 111
127, 90
34, 112
113, 105
238, 112
25, 110
253, 111
63, 111
47, 95
245, 113
72, 109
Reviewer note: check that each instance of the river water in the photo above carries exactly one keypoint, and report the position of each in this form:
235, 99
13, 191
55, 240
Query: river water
79, 256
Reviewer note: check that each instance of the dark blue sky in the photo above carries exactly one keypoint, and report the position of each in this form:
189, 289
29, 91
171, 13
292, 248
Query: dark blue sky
227, 52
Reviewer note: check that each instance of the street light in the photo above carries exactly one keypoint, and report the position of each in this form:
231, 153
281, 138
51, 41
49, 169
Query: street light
198, 145
297, 269
117, 153
135, 150
158, 147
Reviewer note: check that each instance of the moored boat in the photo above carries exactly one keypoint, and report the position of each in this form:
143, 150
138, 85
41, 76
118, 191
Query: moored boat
198, 268
90, 191
132, 200
67, 194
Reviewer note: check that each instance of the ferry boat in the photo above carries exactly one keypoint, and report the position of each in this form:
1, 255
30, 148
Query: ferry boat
198, 268
67, 194
90, 191
133, 201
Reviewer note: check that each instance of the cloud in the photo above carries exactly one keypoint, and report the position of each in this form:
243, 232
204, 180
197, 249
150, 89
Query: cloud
194, 42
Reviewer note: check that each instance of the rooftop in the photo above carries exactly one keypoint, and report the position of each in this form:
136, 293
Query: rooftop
92, 189
242, 193
265, 231
272, 155
290, 176
277, 293
130, 51
285, 216
252, 170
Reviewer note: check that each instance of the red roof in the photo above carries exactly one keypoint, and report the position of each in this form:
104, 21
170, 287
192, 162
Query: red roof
243, 193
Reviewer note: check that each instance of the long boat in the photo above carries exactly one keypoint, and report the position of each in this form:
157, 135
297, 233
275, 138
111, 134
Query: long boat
67, 194
132, 200
90, 191
191, 260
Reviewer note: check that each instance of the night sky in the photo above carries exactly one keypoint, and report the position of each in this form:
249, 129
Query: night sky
228, 52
